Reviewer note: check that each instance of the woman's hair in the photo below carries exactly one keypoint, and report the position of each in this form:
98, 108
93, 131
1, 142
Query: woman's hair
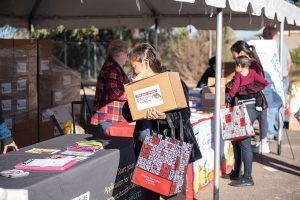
269, 32
145, 50
243, 61
117, 46
212, 61
250, 50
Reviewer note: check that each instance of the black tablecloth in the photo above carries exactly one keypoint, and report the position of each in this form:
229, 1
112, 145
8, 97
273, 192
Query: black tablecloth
105, 175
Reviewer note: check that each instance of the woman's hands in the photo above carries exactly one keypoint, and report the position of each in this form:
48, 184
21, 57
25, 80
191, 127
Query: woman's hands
152, 113
11, 145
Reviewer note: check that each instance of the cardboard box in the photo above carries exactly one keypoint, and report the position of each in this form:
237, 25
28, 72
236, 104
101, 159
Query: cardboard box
15, 86
25, 57
46, 126
45, 56
24, 103
65, 95
6, 67
229, 71
208, 93
25, 128
163, 92
6, 48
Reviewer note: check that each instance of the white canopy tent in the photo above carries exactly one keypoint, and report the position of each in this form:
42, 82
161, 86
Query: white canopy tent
203, 14
242, 15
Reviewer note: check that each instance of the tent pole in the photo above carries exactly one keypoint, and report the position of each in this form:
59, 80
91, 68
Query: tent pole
281, 109
210, 44
217, 103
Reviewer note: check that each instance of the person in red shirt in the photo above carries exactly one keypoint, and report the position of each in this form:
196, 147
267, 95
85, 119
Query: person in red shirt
110, 95
245, 76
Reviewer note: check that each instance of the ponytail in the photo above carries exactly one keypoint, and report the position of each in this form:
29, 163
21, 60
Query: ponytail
254, 53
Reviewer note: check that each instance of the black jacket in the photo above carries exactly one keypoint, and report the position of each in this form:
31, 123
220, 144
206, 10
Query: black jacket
173, 117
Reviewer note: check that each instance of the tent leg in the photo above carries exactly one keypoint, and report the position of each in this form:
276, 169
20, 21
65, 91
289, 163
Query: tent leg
217, 104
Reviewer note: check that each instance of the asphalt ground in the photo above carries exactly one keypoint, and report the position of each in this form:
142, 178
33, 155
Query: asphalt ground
275, 176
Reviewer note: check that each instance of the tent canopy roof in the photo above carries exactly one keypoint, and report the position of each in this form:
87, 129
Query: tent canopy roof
242, 15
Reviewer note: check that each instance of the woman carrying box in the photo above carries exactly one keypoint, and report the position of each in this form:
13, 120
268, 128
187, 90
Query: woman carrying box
146, 62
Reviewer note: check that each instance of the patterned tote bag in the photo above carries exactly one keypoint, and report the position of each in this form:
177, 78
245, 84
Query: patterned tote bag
235, 123
162, 163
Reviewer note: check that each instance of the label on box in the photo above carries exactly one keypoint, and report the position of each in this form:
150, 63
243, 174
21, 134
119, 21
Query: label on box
21, 84
6, 104
21, 104
58, 96
6, 88
148, 97
67, 80
209, 96
44, 66
8, 122
21, 67
45, 116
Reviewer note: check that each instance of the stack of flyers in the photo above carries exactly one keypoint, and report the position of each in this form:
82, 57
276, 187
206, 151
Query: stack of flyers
40, 151
14, 173
77, 153
86, 146
77, 158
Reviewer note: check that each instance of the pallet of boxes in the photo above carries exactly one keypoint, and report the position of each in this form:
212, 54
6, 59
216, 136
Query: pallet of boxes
18, 80
58, 87
32, 82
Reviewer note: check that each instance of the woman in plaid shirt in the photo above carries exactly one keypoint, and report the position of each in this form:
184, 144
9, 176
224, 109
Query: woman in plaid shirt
110, 96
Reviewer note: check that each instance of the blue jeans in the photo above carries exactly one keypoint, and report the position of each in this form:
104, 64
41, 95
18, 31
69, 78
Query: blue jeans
242, 149
273, 122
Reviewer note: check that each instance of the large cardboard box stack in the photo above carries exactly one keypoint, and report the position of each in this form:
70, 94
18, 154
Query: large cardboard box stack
18, 89
46, 125
163, 92
25, 64
58, 85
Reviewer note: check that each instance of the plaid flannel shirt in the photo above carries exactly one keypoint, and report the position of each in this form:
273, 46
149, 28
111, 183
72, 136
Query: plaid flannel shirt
109, 96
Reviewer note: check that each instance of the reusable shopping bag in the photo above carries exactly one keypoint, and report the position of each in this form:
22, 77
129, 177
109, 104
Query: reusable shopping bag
162, 163
235, 123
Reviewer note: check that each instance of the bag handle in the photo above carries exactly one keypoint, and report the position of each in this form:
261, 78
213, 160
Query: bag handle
180, 128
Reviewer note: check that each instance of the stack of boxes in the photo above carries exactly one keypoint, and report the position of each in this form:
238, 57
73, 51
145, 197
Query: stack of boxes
30, 84
46, 125
19, 93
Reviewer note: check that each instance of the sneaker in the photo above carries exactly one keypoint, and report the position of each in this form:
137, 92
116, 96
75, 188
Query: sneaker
258, 108
233, 175
244, 181
261, 147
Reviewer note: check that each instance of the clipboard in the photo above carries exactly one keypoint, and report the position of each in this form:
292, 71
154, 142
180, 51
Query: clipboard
23, 166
